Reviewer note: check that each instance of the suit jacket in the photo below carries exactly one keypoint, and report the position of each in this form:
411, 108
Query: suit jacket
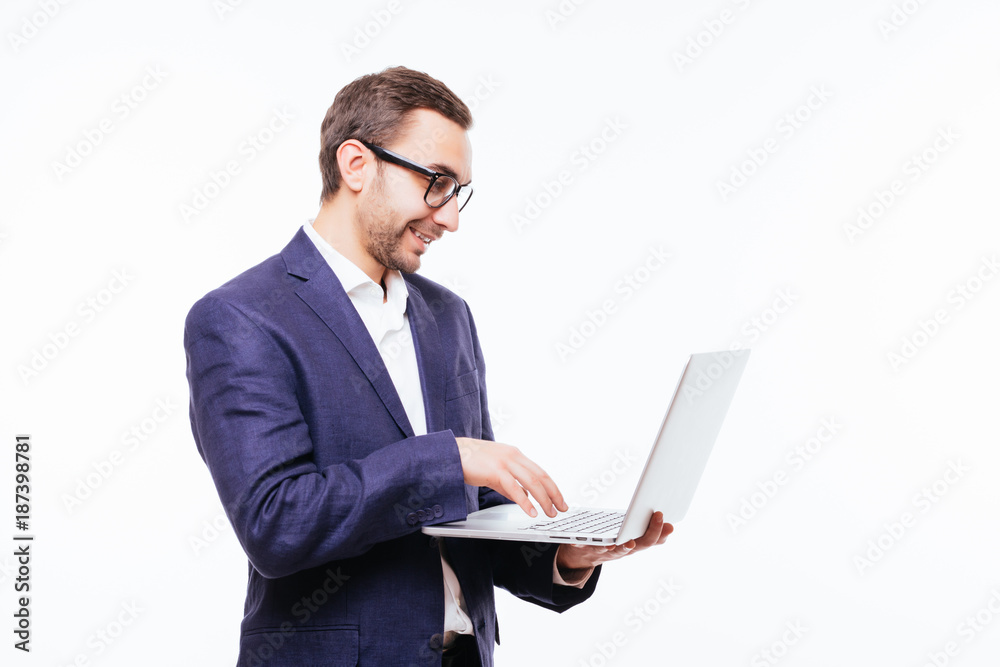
323, 480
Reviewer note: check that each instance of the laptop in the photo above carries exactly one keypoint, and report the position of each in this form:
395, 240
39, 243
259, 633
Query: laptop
669, 477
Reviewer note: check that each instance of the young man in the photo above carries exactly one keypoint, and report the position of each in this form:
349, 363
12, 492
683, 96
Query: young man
339, 401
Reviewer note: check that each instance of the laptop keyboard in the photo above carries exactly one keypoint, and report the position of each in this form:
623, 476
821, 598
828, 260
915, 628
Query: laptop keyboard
584, 521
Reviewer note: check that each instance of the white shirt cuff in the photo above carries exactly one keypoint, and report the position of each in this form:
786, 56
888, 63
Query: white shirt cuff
578, 581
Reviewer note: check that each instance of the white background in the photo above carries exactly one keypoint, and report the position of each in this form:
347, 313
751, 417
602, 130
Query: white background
816, 552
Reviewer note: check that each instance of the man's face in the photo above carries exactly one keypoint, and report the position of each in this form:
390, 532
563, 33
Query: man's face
394, 223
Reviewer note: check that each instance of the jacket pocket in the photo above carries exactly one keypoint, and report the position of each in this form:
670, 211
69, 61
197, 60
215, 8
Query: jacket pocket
302, 647
463, 406
462, 386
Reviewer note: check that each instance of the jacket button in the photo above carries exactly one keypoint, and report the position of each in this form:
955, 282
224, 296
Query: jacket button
433, 542
411, 518
437, 641
422, 515
438, 511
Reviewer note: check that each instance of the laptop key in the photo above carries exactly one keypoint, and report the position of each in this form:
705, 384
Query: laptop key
585, 521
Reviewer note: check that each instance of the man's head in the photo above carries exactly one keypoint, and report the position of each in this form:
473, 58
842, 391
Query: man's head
387, 204
376, 108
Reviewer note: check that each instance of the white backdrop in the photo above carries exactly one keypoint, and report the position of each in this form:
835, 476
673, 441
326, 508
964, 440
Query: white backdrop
816, 181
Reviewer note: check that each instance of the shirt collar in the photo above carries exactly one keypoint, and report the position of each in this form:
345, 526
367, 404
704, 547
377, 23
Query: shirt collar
356, 282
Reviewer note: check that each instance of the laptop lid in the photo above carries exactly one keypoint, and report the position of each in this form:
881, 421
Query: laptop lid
685, 440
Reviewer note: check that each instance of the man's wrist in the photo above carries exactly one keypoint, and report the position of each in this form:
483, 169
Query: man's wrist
569, 576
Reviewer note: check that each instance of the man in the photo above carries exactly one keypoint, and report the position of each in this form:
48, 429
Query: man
339, 401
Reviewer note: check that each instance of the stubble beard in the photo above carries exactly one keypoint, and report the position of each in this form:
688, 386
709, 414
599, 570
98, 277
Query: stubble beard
380, 237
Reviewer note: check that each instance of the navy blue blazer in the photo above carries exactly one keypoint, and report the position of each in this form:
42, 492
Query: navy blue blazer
323, 480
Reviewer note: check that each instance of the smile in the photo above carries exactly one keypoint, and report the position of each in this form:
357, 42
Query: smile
426, 239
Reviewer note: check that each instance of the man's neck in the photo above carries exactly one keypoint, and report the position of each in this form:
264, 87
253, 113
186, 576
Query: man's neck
334, 223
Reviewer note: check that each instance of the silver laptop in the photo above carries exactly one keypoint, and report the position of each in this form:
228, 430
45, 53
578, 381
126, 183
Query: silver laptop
669, 478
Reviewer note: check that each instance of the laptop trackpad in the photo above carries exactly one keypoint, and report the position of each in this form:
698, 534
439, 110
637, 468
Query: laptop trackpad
507, 512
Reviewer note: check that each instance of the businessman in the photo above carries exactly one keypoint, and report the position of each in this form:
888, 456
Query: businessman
339, 402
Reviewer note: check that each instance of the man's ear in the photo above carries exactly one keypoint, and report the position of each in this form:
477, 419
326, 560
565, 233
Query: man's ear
352, 159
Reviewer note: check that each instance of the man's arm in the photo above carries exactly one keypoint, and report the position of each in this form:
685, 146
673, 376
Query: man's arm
287, 513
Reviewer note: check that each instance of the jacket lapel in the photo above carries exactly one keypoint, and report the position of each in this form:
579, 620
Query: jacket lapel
430, 358
324, 294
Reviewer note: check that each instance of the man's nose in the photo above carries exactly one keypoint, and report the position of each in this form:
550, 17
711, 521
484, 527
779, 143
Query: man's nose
447, 215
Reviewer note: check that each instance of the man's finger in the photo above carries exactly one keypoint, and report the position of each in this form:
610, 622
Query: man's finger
551, 488
514, 491
653, 530
555, 494
533, 485
541, 485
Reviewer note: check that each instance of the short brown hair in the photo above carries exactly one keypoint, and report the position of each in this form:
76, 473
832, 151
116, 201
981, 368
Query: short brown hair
373, 108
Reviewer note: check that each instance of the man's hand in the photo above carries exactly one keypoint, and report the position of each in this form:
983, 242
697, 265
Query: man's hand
571, 557
507, 471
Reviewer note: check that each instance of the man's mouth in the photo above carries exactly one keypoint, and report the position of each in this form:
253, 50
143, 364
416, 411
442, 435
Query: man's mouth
426, 239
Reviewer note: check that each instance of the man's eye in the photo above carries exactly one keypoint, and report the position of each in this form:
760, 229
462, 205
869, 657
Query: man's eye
442, 186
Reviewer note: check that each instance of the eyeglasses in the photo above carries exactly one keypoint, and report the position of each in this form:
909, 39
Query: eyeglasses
442, 186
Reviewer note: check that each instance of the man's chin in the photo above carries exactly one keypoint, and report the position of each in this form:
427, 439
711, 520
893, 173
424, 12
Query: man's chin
406, 264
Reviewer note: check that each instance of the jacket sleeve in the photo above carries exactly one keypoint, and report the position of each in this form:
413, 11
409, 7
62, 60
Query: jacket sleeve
288, 514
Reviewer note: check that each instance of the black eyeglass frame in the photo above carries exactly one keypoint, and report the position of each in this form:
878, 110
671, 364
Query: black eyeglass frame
396, 158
